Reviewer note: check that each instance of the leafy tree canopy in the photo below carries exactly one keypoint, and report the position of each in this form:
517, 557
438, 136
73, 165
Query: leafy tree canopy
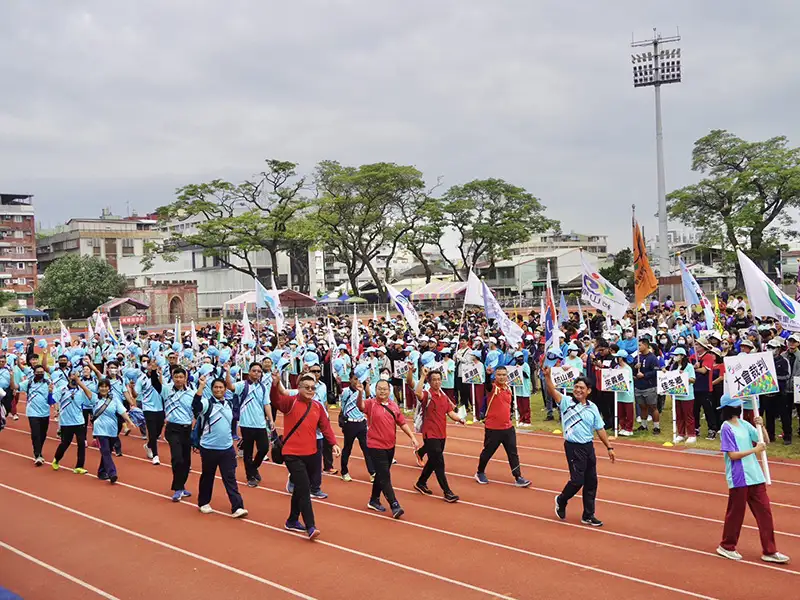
76, 285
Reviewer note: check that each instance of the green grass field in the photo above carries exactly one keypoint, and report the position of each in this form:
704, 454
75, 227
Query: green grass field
776, 449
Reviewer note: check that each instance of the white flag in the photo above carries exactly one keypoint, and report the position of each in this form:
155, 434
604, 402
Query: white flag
298, 332
177, 331
375, 314
195, 342
474, 291
405, 307
332, 342
766, 298
247, 333
388, 317
599, 293
355, 337
693, 294
511, 330
121, 333
91, 329
100, 326
271, 298
66, 337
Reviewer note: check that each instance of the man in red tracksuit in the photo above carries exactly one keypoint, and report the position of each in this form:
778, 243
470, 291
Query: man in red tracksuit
499, 430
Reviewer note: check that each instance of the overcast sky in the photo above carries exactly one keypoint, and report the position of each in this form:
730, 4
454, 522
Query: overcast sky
108, 103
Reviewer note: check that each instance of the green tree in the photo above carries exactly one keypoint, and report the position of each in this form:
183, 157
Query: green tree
621, 268
76, 285
426, 232
364, 212
488, 216
744, 198
235, 221
7, 298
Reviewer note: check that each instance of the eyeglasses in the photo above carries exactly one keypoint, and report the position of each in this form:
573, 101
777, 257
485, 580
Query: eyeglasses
316, 371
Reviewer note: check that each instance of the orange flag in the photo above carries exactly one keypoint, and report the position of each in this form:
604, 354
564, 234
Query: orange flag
644, 279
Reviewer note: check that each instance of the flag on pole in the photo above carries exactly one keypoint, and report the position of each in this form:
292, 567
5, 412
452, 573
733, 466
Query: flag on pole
221, 331
121, 332
511, 330
717, 315
599, 293
176, 333
563, 312
193, 338
271, 298
551, 344
541, 311
693, 294
355, 337
298, 332
405, 308
100, 326
645, 282
766, 298
474, 291
388, 316
66, 337
332, 341
91, 329
247, 332
582, 322
110, 332
375, 314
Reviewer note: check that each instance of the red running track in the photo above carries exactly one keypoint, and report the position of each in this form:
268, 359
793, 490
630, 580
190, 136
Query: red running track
662, 511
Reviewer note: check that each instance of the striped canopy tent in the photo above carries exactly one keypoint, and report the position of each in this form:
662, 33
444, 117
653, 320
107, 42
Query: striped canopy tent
440, 290
289, 299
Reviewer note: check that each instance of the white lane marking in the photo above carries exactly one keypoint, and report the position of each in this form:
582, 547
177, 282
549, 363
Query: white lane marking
57, 571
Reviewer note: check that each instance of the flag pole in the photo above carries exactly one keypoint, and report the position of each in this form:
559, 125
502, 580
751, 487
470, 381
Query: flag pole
765, 464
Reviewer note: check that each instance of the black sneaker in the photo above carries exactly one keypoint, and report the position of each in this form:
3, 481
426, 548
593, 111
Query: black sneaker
450, 497
118, 452
103, 477
397, 511
656, 430
252, 482
593, 521
641, 428
696, 431
113, 479
258, 476
561, 511
712, 435
787, 442
550, 418
423, 489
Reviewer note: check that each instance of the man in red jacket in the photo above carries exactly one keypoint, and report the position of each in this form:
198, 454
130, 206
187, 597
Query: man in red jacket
499, 430
302, 417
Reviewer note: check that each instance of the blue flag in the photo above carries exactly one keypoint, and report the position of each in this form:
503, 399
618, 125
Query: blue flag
563, 313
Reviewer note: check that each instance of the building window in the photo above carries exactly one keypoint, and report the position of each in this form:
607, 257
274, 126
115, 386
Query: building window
20, 281
20, 249
18, 233
17, 218
127, 247
20, 266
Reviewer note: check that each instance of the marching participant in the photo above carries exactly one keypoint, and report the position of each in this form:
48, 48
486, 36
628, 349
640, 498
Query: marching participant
71, 403
40, 396
255, 420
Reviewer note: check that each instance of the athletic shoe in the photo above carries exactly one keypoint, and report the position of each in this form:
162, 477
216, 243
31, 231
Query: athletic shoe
15, 417
691, 440
481, 478
206, 509
331, 471
118, 453
641, 428
696, 431
394, 460
376, 506
521, 482
418, 458
79, 471
549, 418
779, 558
295, 526
450, 497
319, 495
240, 513
712, 435
290, 487
397, 511
731, 554
561, 511
423, 489
313, 533
650, 418
103, 477
679, 439
258, 477
625, 433
593, 521
656, 430
113, 479
252, 483
39, 461
346, 477
186, 494
787, 442
156, 460
148, 452
176, 497
372, 478
54, 464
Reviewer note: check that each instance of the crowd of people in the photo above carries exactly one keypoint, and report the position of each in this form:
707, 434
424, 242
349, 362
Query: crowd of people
217, 391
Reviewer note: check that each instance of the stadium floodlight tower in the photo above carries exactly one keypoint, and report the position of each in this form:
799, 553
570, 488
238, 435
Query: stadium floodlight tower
653, 69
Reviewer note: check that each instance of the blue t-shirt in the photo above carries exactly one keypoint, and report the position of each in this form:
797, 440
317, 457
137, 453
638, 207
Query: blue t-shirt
737, 438
106, 424
251, 411
217, 433
38, 394
151, 400
178, 404
5, 377
449, 374
579, 421
71, 402
349, 405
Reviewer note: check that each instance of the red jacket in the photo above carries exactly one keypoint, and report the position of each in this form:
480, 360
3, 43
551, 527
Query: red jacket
303, 441
498, 413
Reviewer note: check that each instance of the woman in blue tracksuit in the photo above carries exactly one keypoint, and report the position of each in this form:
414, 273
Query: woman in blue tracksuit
72, 401
216, 446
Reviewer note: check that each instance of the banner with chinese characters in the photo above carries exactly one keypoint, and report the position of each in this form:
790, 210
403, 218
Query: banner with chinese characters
400, 369
514, 376
672, 382
563, 377
751, 374
613, 380
796, 382
472, 375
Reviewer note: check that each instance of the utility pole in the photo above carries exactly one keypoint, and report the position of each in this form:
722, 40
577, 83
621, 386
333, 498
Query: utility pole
653, 69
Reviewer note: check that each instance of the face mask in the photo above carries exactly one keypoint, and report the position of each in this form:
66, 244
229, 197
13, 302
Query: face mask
681, 343
112, 371
663, 340
573, 353
38, 377
384, 377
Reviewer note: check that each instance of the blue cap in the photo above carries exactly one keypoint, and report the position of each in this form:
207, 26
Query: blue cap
428, 357
235, 370
42, 344
361, 372
311, 358
519, 354
176, 347
475, 353
131, 374
224, 356
205, 369
572, 346
726, 400
679, 352
621, 354
212, 351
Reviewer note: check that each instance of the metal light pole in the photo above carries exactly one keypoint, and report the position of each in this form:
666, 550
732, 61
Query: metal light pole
652, 69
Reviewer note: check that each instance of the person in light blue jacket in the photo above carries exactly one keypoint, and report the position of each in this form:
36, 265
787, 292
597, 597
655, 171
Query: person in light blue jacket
71, 402
215, 415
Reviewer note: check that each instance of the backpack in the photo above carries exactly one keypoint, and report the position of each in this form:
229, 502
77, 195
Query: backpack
200, 423
419, 416
236, 401
2, 417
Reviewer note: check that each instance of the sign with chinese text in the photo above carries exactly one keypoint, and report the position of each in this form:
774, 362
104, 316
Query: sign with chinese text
613, 380
672, 382
751, 374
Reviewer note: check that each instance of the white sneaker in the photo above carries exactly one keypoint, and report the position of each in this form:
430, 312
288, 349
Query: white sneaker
679, 439
731, 554
649, 418
206, 509
775, 558
626, 433
39, 461
639, 419
240, 513
15, 417
156, 460
691, 440
148, 451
